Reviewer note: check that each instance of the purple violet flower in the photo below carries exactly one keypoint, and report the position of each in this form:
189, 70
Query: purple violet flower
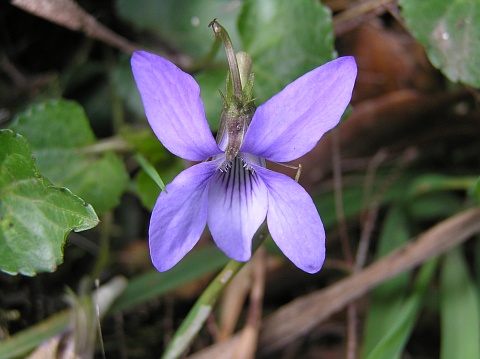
234, 198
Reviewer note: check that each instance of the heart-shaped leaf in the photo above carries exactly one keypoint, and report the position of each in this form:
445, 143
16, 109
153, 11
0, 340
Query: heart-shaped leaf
35, 216
450, 32
59, 134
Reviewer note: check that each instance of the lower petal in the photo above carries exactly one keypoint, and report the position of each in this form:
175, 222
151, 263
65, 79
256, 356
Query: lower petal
237, 206
293, 221
179, 216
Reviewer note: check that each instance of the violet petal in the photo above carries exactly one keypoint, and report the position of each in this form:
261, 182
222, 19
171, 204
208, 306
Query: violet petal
290, 124
237, 206
172, 103
180, 216
293, 221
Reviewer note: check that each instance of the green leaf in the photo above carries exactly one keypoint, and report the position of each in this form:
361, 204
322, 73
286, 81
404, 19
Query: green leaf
164, 163
450, 32
35, 216
475, 190
150, 170
387, 299
459, 310
286, 39
439, 182
146, 188
183, 23
198, 263
352, 205
435, 205
59, 134
22, 343
395, 338
476, 264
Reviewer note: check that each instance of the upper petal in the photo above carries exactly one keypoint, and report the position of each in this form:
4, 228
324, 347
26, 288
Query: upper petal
180, 216
172, 103
290, 124
237, 206
293, 221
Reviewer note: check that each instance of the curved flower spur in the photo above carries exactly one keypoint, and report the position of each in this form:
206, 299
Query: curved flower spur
232, 190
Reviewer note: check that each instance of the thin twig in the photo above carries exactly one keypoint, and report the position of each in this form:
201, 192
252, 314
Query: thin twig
247, 346
337, 186
21, 81
352, 331
354, 16
344, 240
369, 181
68, 14
299, 317
233, 301
364, 241
372, 213
372, 209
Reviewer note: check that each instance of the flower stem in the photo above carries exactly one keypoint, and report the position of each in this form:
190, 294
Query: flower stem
204, 305
220, 32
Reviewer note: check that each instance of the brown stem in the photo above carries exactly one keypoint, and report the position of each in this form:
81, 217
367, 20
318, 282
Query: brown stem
68, 14
340, 213
354, 16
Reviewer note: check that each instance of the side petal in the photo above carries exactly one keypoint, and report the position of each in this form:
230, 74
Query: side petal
237, 206
172, 103
179, 216
292, 122
293, 221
